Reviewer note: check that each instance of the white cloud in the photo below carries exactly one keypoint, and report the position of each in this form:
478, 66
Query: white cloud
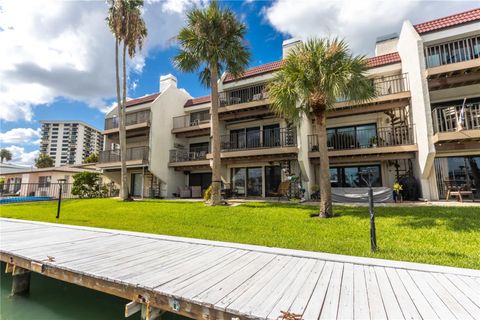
22, 157
20, 135
54, 49
358, 21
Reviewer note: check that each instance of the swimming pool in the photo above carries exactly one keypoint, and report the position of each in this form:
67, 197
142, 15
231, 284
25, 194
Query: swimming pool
23, 199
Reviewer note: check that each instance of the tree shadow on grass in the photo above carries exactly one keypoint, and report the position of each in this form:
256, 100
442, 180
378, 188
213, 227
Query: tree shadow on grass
455, 219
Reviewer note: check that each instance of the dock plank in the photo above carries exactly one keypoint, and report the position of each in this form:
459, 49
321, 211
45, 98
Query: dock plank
218, 280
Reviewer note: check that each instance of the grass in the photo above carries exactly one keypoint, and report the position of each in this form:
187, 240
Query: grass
436, 235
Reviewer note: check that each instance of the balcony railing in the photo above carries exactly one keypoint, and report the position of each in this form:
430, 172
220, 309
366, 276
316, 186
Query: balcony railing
388, 85
448, 119
270, 138
253, 93
130, 119
136, 153
365, 138
452, 52
178, 155
191, 120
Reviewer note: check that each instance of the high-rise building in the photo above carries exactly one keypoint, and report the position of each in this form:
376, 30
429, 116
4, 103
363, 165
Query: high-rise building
69, 142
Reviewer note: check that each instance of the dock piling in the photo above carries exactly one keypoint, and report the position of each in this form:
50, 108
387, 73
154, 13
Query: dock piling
20, 281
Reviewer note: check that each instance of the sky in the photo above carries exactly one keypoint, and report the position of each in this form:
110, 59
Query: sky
57, 57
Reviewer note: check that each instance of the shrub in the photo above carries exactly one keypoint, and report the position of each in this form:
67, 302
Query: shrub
87, 185
207, 195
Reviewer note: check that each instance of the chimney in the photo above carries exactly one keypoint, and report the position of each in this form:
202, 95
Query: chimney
386, 44
288, 45
166, 81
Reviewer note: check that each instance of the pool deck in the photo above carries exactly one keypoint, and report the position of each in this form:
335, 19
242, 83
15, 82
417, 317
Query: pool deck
204, 279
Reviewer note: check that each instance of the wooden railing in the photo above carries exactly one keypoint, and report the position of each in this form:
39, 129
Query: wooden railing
130, 119
249, 94
366, 138
178, 155
136, 153
448, 119
452, 51
270, 138
191, 120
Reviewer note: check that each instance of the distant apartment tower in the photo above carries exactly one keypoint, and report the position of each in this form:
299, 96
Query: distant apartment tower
69, 142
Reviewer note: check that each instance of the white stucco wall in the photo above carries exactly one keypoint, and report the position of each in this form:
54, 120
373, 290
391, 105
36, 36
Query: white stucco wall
168, 104
410, 48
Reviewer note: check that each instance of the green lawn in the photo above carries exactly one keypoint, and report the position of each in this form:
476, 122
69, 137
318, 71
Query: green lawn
438, 235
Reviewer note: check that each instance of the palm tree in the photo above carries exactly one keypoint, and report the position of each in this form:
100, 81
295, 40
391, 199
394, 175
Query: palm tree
5, 154
126, 23
44, 161
313, 76
213, 42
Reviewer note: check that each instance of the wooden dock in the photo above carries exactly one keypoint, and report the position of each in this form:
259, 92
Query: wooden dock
216, 280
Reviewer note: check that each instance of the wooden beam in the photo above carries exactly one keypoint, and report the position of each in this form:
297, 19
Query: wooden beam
475, 63
150, 313
367, 109
132, 308
444, 82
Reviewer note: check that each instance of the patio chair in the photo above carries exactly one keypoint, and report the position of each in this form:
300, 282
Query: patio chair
282, 191
196, 191
455, 190
185, 192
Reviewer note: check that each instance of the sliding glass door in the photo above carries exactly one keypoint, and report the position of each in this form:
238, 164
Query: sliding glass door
273, 177
247, 182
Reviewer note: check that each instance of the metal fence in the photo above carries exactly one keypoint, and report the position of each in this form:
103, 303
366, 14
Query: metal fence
18, 192
249, 94
391, 84
191, 120
136, 153
448, 119
256, 139
452, 52
365, 138
130, 119
178, 155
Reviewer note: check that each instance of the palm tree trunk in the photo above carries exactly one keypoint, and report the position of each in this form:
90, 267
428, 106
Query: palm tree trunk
122, 132
119, 108
326, 210
216, 174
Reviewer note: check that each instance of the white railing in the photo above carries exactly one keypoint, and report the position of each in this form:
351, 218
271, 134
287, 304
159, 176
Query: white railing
452, 52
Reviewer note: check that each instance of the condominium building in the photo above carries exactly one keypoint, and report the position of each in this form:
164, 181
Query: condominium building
69, 142
423, 127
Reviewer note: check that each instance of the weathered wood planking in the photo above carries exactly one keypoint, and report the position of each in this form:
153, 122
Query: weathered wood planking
218, 280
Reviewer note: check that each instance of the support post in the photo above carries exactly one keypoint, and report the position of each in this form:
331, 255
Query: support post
373, 235
20, 281
150, 313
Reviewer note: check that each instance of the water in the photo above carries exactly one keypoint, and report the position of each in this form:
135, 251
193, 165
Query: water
50, 299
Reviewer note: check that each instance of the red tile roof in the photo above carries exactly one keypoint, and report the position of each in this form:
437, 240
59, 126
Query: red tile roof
450, 21
141, 100
382, 60
197, 101
255, 71
275, 65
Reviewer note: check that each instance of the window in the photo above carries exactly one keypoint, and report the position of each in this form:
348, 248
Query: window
44, 182
350, 177
361, 136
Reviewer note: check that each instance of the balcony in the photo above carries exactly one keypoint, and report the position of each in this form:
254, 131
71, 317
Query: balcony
194, 157
365, 141
259, 142
450, 123
388, 88
453, 56
247, 98
194, 122
135, 156
133, 120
